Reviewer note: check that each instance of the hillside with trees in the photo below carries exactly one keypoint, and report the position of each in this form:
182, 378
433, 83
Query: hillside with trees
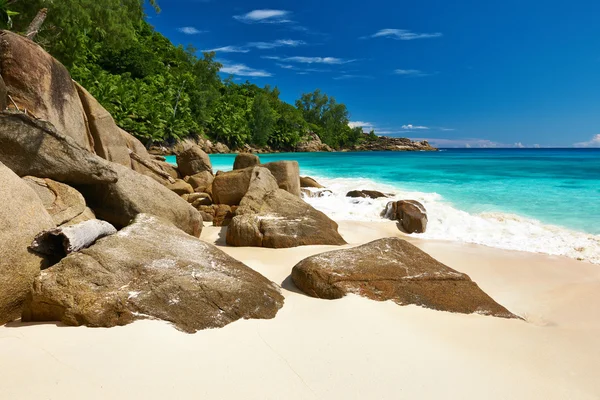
162, 93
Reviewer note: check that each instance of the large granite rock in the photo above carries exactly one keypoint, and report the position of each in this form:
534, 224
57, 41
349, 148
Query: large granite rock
133, 194
41, 85
410, 213
192, 161
230, 187
61, 201
34, 147
151, 270
22, 217
393, 269
271, 217
246, 160
287, 174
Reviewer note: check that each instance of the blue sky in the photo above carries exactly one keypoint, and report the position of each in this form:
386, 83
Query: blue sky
459, 73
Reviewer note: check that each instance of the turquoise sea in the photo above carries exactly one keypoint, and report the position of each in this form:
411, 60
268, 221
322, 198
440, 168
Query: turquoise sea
545, 200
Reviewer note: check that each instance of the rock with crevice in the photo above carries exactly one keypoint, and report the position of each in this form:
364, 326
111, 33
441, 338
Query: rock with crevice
62, 202
34, 147
393, 269
151, 270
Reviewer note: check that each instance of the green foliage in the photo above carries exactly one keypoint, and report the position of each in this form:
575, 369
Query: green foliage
262, 119
328, 119
160, 92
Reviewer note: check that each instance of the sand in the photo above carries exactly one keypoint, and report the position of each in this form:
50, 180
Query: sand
351, 348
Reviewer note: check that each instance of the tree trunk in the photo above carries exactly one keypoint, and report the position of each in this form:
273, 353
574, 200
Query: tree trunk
151, 166
62, 241
36, 24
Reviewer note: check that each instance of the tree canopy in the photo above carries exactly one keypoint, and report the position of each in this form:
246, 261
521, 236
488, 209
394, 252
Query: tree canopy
161, 92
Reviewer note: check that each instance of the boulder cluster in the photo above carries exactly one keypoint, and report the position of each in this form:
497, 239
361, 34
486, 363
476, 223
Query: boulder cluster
96, 231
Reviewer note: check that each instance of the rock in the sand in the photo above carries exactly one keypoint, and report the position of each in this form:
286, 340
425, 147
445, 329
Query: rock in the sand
22, 217
193, 160
287, 174
180, 187
61, 201
245, 160
41, 85
271, 217
370, 194
203, 200
410, 213
308, 182
151, 270
133, 194
218, 214
393, 269
201, 182
34, 147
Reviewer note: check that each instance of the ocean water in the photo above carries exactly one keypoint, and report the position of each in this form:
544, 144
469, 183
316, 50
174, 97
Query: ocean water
537, 200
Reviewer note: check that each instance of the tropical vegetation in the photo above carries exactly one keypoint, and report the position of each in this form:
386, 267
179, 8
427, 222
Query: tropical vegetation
161, 92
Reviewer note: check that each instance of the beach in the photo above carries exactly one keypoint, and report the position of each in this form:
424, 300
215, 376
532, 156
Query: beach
352, 348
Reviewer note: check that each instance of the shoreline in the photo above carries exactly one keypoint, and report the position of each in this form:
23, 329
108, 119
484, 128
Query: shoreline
351, 348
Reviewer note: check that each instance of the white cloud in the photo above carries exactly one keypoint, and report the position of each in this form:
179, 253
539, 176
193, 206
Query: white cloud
594, 142
365, 125
285, 66
276, 43
313, 60
244, 70
410, 72
404, 34
265, 17
519, 145
411, 127
259, 45
352, 76
228, 49
190, 30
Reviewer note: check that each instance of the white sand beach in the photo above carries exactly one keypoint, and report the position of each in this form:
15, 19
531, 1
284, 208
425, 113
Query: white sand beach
352, 348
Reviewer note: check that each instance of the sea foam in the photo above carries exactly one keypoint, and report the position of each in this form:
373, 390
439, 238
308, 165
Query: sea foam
446, 222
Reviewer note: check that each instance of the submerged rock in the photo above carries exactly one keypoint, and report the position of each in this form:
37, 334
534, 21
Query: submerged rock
393, 269
272, 217
22, 217
308, 182
410, 213
151, 270
370, 194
